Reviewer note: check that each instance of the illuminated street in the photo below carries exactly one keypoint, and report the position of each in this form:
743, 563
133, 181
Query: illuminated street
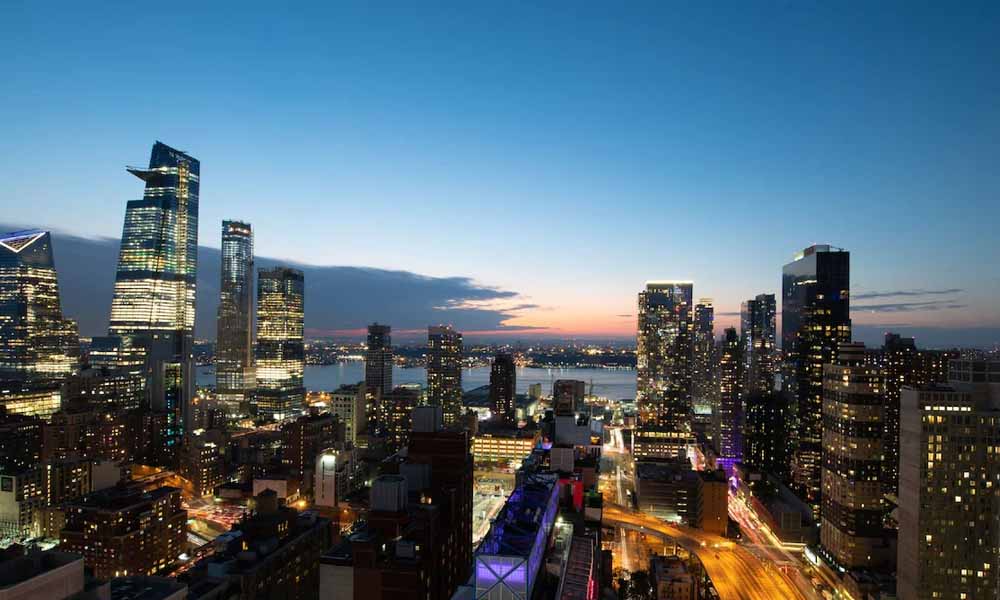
736, 573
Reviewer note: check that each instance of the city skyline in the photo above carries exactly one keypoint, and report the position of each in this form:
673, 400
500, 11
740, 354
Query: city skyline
655, 141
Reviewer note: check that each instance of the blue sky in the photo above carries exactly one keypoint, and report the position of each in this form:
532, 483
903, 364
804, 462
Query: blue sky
566, 153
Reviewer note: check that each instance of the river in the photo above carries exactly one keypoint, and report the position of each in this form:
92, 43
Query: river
610, 383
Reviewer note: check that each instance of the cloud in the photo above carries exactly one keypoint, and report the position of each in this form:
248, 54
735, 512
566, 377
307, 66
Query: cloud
624, 316
907, 306
337, 298
906, 293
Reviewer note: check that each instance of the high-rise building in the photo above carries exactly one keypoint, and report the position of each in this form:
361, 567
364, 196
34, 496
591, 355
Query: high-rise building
305, 438
349, 403
852, 532
904, 365
36, 343
815, 319
280, 345
154, 293
757, 334
728, 420
503, 387
663, 383
444, 371
378, 375
949, 486
567, 396
124, 531
703, 354
768, 432
234, 373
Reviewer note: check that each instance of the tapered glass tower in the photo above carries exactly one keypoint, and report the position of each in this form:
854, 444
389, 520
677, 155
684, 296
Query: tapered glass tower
280, 345
234, 372
154, 294
36, 343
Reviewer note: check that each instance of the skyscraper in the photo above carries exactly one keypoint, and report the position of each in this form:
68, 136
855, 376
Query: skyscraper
503, 387
378, 376
444, 371
280, 345
154, 293
36, 343
949, 496
757, 333
234, 373
703, 353
815, 319
663, 383
852, 533
768, 437
728, 419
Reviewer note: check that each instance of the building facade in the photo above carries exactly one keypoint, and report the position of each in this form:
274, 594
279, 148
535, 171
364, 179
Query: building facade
852, 532
728, 418
280, 344
234, 373
378, 375
815, 320
444, 371
36, 343
503, 388
703, 354
757, 336
949, 507
663, 359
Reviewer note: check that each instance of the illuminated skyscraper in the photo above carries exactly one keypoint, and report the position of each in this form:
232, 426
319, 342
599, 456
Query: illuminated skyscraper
280, 343
154, 294
36, 343
703, 353
815, 320
728, 420
234, 374
852, 533
663, 383
444, 371
757, 335
503, 387
378, 376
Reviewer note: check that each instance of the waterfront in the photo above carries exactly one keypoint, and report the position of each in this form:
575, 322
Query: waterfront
611, 383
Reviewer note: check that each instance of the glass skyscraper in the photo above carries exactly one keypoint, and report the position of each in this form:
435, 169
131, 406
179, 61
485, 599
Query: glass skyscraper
728, 420
280, 344
234, 371
815, 320
378, 376
664, 353
444, 371
757, 337
36, 342
503, 388
154, 293
703, 353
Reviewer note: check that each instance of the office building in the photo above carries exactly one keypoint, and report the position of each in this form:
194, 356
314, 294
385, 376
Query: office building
663, 356
154, 294
703, 354
757, 337
851, 531
235, 379
37, 344
728, 416
497, 442
444, 371
280, 344
567, 396
905, 365
815, 320
949, 481
20, 441
126, 530
503, 387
